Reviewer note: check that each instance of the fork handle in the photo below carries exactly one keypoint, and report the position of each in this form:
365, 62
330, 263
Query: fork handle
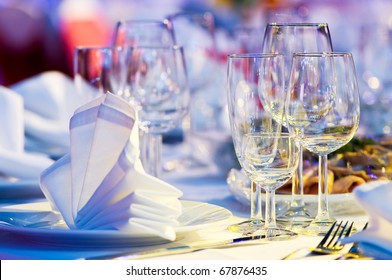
351, 256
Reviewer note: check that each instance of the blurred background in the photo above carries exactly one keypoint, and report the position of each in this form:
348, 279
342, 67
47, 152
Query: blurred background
40, 35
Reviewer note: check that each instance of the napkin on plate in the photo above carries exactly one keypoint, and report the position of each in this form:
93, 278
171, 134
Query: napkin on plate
101, 185
50, 99
376, 199
15, 162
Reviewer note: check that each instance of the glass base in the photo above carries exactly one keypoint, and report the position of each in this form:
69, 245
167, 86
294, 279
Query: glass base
246, 228
276, 234
296, 216
318, 227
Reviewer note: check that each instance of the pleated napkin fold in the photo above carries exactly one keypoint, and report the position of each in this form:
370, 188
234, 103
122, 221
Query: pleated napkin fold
101, 185
15, 162
376, 199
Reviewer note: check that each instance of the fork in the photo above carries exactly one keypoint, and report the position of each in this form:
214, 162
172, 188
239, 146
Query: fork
330, 244
354, 252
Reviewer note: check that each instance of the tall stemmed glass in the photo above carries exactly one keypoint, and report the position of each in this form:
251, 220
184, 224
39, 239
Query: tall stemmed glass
286, 39
146, 33
157, 85
253, 81
322, 108
195, 32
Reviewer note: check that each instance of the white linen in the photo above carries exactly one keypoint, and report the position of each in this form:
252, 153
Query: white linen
50, 99
11, 121
101, 184
14, 161
376, 198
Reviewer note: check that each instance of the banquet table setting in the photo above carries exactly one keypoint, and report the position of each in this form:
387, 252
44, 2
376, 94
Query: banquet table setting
32, 229
200, 188
88, 170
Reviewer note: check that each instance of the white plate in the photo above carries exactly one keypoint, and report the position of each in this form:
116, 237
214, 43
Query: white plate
339, 204
21, 189
28, 222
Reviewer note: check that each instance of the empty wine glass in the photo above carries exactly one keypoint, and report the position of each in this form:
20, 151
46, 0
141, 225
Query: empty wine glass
270, 160
286, 39
322, 108
157, 85
254, 80
195, 32
131, 33
146, 33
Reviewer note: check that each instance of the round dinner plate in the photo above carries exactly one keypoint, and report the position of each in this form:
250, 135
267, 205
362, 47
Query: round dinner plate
195, 216
21, 189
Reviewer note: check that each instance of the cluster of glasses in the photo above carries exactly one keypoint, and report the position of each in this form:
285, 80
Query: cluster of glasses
166, 69
297, 93
145, 65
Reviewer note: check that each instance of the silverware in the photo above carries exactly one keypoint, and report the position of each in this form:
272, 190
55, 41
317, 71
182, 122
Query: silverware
246, 240
354, 252
330, 244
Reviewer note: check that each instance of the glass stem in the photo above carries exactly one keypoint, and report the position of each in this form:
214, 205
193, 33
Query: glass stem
151, 151
270, 215
298, 185
255, 205
322, 211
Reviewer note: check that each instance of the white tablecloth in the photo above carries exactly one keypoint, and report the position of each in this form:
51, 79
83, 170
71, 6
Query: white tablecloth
202, 184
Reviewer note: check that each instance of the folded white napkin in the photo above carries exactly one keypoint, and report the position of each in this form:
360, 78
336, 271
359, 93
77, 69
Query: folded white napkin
101, 184
50, 99
376, 199
14, 161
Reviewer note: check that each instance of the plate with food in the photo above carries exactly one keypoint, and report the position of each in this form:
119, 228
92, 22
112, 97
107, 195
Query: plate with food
339, 203
361, 161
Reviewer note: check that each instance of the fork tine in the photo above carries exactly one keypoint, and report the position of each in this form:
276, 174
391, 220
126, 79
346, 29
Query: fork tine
350, 229
327, 235
334, 235
324, 247
337, 242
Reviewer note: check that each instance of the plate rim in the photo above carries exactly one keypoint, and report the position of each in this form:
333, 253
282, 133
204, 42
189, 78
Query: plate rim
120, 238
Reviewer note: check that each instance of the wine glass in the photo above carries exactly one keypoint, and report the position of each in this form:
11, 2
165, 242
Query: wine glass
286, 39
97, 71
195, 32
270, 160
157, 85
131, 33
253, 81
147, 33
322, 108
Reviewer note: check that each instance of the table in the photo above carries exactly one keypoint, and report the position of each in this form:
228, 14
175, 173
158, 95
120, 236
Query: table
203, 184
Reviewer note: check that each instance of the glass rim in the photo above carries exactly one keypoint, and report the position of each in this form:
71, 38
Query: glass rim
254, 55
97, 47
147, 21
322, 54
272, 134
299, 24
161, 47
106, 48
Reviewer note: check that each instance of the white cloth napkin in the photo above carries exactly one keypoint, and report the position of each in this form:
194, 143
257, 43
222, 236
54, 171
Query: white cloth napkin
101, 184
50, 99
14, 161
376, 199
